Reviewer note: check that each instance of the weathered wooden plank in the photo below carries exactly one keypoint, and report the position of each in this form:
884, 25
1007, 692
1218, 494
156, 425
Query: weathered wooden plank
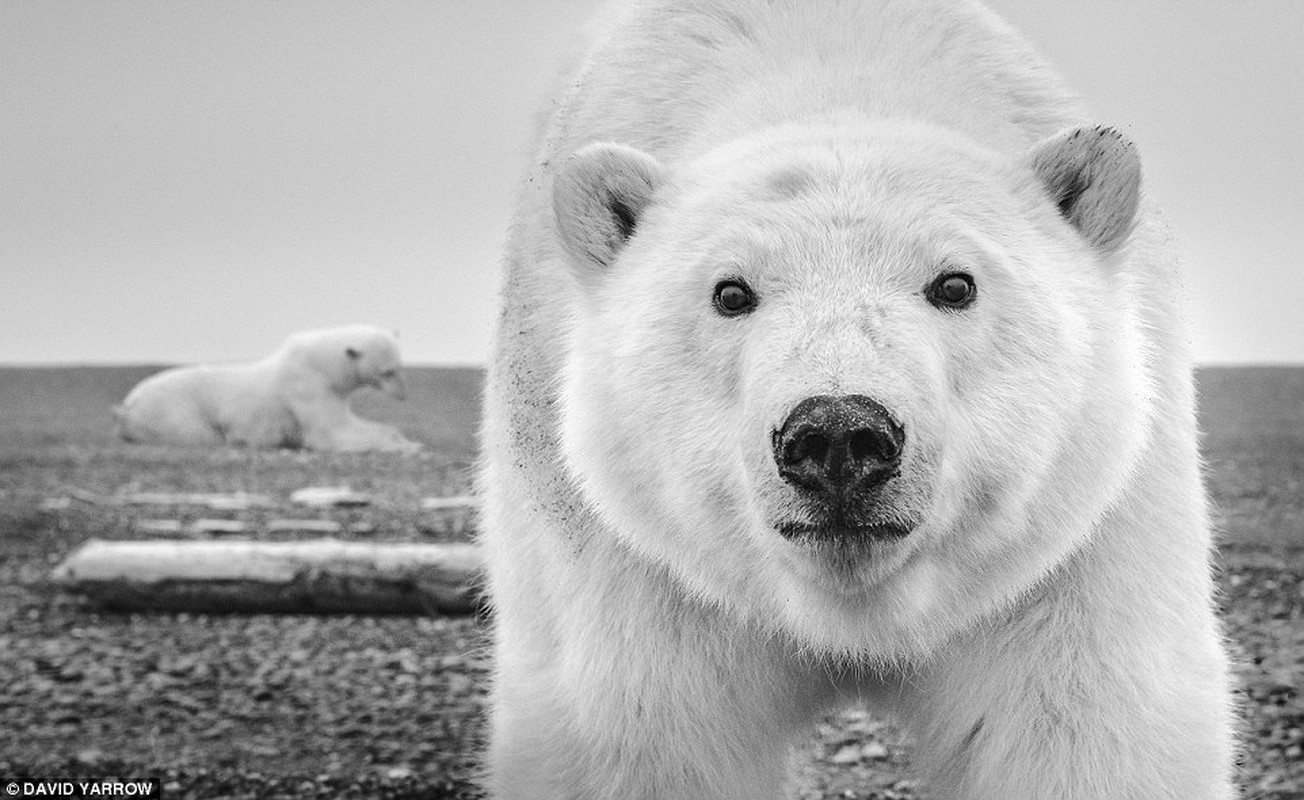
318, 576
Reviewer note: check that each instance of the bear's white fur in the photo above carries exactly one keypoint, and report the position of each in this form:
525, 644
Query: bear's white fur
296, 397
1046, 625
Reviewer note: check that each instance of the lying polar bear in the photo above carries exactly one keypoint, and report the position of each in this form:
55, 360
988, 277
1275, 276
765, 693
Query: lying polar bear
295, 397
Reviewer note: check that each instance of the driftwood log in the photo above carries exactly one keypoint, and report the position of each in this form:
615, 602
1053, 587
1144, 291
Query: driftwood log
324, 576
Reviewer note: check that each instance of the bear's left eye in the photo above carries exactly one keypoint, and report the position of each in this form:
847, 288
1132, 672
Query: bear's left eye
733, 298
952, 290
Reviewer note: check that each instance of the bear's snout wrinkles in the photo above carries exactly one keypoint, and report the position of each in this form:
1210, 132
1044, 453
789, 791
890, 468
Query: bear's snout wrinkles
834, 446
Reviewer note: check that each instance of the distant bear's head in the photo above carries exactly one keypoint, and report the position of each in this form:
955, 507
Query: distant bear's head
377, 364
374, 357
861, 383
350, 357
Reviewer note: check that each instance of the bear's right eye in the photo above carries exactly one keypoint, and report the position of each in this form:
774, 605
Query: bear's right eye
734, 298
952, 290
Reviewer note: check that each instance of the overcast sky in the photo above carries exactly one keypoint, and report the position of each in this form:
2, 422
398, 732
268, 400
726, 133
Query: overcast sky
193, 181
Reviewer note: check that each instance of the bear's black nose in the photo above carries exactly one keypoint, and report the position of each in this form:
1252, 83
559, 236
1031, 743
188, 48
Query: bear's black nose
837, 445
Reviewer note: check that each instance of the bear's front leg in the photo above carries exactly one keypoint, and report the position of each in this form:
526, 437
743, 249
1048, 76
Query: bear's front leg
614, 684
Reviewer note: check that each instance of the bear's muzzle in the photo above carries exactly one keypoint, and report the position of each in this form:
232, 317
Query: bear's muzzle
838, 451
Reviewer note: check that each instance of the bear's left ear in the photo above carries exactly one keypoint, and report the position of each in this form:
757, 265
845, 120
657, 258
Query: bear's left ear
353, 353
1093, 175
599, 197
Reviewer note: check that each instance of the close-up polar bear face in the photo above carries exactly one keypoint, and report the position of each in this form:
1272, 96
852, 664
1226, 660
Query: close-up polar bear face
824, 376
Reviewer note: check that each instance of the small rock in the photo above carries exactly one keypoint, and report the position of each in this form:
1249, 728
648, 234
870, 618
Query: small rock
848, 754
459, 503
459, 684
159, 527
239, 501
304, 526
330, 497
218, 527
451, 514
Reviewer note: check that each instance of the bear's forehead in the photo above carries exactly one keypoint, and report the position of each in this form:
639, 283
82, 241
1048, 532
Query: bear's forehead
883, 163
819, 204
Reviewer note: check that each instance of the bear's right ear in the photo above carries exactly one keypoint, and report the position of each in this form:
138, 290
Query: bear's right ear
1093, 175
599, 197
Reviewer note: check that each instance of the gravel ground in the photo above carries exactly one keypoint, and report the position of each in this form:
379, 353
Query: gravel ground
391, 707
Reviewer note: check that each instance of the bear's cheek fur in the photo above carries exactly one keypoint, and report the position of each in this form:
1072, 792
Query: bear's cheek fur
632, 370
1020, 419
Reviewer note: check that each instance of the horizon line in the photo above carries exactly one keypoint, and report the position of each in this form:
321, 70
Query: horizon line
72, 364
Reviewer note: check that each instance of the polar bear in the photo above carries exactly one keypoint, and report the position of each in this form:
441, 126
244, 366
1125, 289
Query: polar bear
841, 360
296, 397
